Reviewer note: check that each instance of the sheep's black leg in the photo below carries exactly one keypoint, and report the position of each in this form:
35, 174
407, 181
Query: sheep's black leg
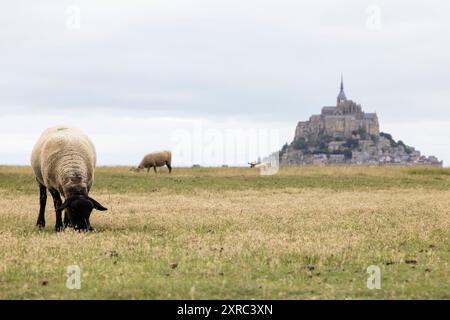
169, 166
59, 224
57, 202
154, 168
148, 169
42, 202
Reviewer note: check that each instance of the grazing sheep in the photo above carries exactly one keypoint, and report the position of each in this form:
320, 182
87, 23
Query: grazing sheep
258, 165
156, 159
63, 162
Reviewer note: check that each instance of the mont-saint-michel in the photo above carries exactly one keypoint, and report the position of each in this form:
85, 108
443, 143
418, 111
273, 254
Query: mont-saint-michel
345, 134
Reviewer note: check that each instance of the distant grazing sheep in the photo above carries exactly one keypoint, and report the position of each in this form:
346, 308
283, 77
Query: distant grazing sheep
258, 165
63, 161
155, 159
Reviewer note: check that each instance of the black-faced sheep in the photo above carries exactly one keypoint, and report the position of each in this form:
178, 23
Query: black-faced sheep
63, 162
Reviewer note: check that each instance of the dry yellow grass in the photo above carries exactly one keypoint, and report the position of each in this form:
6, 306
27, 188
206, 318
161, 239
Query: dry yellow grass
255, 243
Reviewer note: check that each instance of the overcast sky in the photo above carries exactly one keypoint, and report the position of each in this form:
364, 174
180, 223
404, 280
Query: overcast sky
218, 81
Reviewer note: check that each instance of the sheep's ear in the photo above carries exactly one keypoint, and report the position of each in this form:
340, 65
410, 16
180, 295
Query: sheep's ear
63, 206
97, 205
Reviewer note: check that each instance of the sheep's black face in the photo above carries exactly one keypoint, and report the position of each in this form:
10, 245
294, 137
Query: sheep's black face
78, 210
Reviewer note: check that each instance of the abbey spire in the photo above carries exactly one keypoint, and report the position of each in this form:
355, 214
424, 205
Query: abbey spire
341, 97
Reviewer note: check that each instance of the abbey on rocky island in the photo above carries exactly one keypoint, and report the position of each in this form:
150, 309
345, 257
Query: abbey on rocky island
345, 134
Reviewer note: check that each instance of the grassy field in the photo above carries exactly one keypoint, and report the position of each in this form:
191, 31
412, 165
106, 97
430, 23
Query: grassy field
305, 233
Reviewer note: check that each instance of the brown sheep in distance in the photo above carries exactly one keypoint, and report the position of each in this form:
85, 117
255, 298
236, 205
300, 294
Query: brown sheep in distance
156, 159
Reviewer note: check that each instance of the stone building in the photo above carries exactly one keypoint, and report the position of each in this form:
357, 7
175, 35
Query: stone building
340, 121
345, 134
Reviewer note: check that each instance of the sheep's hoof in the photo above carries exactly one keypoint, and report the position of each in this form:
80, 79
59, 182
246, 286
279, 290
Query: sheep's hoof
59, 228
40, 226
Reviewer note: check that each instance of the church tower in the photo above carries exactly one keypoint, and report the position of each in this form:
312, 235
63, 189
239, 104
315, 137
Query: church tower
341, 97
344, 105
